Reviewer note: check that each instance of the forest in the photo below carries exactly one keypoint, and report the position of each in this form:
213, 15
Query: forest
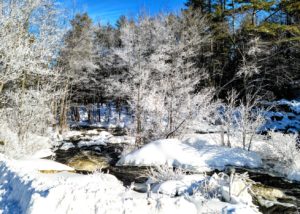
170, 97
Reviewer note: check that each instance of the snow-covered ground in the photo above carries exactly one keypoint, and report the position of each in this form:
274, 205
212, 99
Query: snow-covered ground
284, 117
94, 138
110, 117
26, 190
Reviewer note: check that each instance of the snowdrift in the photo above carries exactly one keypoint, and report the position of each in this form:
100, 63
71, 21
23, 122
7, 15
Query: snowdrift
173, 152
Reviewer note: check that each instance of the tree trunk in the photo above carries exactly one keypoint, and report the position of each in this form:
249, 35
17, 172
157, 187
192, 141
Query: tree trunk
244, 139
63, 110
222, 136
77, 114
138, 141
1, 87
228, 137
99, 112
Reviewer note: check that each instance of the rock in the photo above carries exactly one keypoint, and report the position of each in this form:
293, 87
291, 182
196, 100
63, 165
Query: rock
140, 187
268, 206
239, 193
67, 146
267, 199
88, 163
92, 132
267, 193
54, 171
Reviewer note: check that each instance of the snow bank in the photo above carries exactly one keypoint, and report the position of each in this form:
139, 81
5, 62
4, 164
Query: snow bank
24, 190
181, 154
42, 165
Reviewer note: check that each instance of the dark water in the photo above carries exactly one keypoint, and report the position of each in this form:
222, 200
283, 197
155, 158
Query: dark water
291, 189
126, 174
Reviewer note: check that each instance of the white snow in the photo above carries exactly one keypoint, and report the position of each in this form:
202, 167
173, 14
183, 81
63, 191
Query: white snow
179, 187
42, 164
94, 138
24, 190
98, 139
190, 156
110, 117
69, 134
43, 153
67, 146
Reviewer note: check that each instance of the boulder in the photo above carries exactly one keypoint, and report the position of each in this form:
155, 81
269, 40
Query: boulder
88, 163
267, 193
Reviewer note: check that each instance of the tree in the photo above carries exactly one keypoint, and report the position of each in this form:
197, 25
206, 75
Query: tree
31, 34
77, 59
136, 49
162, 78
176, 63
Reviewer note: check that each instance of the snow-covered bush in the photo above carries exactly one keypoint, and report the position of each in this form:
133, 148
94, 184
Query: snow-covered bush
285, 149
240, 119
231, 188
27, 113
165, 173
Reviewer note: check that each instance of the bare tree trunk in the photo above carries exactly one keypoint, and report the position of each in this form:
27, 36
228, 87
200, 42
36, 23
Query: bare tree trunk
99, 112
244, 138
250, 142
90, 119
1, 87
23, 83
228, 137
54, 113
77, 114
63, 110
222, 136
138, 140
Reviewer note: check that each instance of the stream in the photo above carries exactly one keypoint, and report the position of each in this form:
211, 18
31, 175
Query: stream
108, 155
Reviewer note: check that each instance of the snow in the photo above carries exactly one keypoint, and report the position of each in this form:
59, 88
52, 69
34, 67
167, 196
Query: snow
94, 138
24, 190
67, 146
287, 119
42, 165
294, 175
179, 187
195, 156
293, 104
110, 117
88, 143
43, 153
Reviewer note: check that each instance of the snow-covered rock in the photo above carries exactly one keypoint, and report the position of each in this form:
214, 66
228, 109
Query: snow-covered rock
179, 187
238, 193
67, 146
179, 154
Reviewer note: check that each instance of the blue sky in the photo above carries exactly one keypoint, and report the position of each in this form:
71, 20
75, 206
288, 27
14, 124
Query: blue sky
110, 10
